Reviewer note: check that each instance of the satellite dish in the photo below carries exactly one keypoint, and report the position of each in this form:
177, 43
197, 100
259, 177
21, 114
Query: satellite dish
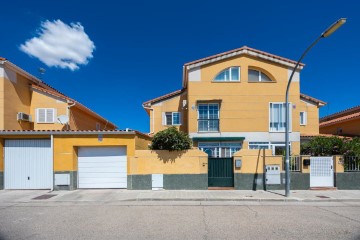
63, 119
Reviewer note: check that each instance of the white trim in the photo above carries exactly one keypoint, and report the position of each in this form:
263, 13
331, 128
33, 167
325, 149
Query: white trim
251, 136
164, 119
240, 52
305, 118
194, 75
45, 115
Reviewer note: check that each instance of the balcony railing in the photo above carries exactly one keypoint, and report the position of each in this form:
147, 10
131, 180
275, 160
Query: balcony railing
208, 125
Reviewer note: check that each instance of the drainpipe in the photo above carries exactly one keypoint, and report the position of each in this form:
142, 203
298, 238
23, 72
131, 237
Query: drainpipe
68, 113
52, 157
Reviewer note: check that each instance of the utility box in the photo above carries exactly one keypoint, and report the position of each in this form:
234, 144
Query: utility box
272, 174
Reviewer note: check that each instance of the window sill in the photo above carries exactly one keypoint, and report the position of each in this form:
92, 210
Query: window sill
225, 81
45, 122
263, 82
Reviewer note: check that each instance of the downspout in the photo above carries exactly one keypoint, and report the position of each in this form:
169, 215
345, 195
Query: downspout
52, 157
68, 113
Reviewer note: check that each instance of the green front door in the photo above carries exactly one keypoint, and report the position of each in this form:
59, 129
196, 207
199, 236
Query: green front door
221, 173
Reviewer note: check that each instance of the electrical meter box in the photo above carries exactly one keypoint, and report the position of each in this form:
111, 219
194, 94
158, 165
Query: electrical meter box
272, 174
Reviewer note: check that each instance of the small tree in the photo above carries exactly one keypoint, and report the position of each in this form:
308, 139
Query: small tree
171, 139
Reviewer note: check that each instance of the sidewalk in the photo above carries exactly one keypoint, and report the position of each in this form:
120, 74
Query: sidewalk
116, 195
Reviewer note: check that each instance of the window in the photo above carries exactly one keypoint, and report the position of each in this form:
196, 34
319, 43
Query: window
171, 118
220, 149
229, 74
208, 117
259, 145
303, 118
257, 76
277, 148
278, 117
45, 115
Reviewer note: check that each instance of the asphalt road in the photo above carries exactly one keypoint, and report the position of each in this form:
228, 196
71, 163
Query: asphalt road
181, 220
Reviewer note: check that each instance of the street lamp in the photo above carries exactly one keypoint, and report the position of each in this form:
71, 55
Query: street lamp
325, 34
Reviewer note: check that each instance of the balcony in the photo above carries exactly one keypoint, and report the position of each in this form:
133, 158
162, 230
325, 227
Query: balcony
208, 125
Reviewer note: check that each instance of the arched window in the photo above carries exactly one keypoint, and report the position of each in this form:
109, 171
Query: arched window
229, 74
258, 76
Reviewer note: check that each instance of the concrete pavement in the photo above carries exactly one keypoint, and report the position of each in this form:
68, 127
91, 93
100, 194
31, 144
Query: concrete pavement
118, 195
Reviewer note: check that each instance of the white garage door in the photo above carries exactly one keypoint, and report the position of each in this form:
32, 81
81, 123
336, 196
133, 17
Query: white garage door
28, 164
102, 167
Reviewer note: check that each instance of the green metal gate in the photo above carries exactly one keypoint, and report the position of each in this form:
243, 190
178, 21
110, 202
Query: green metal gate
221, 173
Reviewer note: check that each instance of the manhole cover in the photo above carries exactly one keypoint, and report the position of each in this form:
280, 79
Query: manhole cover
45, 196
323, 197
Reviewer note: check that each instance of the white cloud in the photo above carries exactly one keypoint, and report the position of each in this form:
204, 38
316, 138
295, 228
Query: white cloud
60, 45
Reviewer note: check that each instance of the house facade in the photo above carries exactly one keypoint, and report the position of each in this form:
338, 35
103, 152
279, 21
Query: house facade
236, 100
343, 123
27, 103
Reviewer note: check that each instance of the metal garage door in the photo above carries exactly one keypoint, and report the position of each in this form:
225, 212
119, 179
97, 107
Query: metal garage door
28, 164
102, 167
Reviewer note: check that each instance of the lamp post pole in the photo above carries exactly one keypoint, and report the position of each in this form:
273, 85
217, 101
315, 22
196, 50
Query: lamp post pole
325, 34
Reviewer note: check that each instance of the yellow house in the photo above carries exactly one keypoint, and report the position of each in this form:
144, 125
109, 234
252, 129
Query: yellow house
235, 100
27, 103
343, 123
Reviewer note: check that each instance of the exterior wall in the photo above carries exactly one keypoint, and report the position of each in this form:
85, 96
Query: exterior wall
251, 175
16, 98
174, 104
43, 100
244, 106
312, 125
79, 120
181, 169
350, 128
141, 142
2, 95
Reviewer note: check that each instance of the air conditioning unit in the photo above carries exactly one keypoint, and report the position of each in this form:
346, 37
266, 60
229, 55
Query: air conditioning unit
24, 117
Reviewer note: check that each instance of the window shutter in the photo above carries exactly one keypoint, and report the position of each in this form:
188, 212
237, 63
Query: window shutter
41, 116
50, 112
163, 118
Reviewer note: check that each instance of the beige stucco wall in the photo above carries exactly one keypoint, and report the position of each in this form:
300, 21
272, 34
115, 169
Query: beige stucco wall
164, 162
350, 128
244, 106
16, 98
254, 160
174, 104
312, 125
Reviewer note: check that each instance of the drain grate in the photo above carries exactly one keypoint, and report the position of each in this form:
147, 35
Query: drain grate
322, 197
44, 197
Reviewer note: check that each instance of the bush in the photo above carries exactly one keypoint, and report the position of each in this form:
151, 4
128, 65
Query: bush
171, 139
327, 146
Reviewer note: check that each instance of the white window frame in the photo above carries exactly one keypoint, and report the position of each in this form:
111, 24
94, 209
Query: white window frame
221, 149
230, 75
304, 117
218, 117
172, 119
46, 115
290, 116
260, 74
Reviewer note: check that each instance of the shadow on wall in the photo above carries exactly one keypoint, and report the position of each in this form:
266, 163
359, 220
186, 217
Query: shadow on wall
168, 156
256, 179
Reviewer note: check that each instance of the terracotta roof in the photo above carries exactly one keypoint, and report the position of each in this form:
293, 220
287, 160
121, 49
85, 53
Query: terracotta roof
342, 113
2, 59
311, 99
240, 49
56, 93
342, 118
164, 97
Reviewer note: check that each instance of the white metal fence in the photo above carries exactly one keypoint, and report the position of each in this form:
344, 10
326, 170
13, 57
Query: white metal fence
295, 163
352, 164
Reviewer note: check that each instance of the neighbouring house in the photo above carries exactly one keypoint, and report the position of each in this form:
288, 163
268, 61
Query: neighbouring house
343, 123
27, 103
50, 141
235, 100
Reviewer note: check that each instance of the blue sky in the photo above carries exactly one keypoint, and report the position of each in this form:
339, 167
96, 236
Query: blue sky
139, 47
